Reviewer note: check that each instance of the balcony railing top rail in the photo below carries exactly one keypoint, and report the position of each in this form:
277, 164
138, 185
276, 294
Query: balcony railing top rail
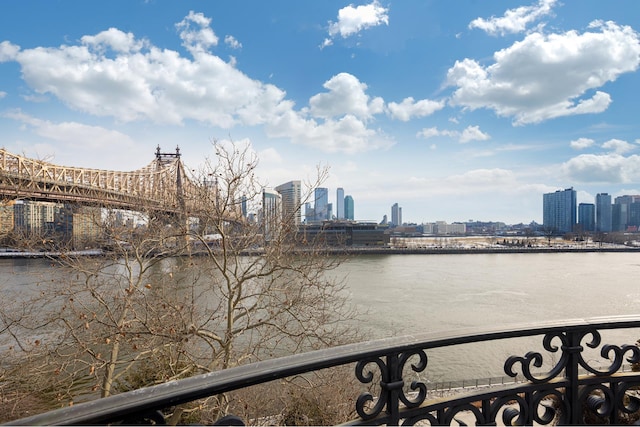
559, 393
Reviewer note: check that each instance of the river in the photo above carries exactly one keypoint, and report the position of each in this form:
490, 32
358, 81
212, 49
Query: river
414, 294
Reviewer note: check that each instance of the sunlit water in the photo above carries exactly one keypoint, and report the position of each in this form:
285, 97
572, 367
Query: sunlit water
416, 294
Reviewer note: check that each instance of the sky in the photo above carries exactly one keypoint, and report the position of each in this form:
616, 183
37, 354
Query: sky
456, 110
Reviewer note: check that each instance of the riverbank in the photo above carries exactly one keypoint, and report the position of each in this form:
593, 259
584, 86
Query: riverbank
477, 250
367, 250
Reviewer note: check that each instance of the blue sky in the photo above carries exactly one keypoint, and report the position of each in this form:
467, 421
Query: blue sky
454, 110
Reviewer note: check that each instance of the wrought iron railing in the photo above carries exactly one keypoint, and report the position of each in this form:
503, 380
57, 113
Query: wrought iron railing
558, 384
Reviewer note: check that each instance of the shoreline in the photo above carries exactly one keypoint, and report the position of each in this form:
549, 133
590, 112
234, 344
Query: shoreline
362, 251
469, 251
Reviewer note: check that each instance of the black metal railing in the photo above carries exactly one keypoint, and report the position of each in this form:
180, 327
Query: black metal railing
559, 384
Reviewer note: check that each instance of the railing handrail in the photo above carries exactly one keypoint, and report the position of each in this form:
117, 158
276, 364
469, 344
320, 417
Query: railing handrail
185, 390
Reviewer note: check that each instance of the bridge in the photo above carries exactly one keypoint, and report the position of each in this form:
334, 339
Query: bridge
162, 186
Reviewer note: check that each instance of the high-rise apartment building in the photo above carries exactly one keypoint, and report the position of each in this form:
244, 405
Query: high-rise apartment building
321, 204
559, 210
348, 208
34, 217
291, 201
587, 216
340, 203
603, 212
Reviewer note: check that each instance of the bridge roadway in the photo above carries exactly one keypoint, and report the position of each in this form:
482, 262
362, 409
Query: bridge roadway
161, 186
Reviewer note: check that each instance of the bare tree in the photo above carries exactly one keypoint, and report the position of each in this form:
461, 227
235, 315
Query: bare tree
178, 296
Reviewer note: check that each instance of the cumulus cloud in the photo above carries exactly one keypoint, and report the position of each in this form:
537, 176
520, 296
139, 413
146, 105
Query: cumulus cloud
114, 74
581, 143
140, 82
347, 134
2, 94
473, 133
346, 96
352, 20
514, 20
8, 51
470, 133
196, 33
410, 108
618, 146
608, 168
548, 76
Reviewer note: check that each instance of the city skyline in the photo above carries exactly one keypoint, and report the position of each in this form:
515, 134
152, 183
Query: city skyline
455, 111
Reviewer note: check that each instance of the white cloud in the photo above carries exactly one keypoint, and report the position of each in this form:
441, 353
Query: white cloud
470, 133
114, 39
409, 108
73, 134
8, 51
346, 96
473, 133
113, 74
618, 146
232, 42
607, 168
347, 134
548, 76
200, 38
270, 155
581, 143
2, 94
514, 20
352, 20
142, 82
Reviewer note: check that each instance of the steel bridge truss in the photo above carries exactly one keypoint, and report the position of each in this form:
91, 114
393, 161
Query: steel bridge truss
162, 185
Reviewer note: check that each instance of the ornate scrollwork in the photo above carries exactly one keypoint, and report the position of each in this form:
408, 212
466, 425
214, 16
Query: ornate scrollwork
391, 380
365, 378
618, 353
515, 410
554, 405
598, 400
415, 385
535, 359
628, 399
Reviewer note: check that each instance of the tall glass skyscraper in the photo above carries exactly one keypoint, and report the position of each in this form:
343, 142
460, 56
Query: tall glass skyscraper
348, 208
321, 204
603, 212
559, 210
340, 203
587, 216
396, 214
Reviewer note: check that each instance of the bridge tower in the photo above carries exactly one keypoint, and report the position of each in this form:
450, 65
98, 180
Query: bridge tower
165, 159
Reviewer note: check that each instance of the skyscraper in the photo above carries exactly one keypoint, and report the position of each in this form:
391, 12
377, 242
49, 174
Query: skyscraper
348, 208
321, 204
396, 215
559, 210
340, 203
271, 213
587, 216
603, 212
290, 192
